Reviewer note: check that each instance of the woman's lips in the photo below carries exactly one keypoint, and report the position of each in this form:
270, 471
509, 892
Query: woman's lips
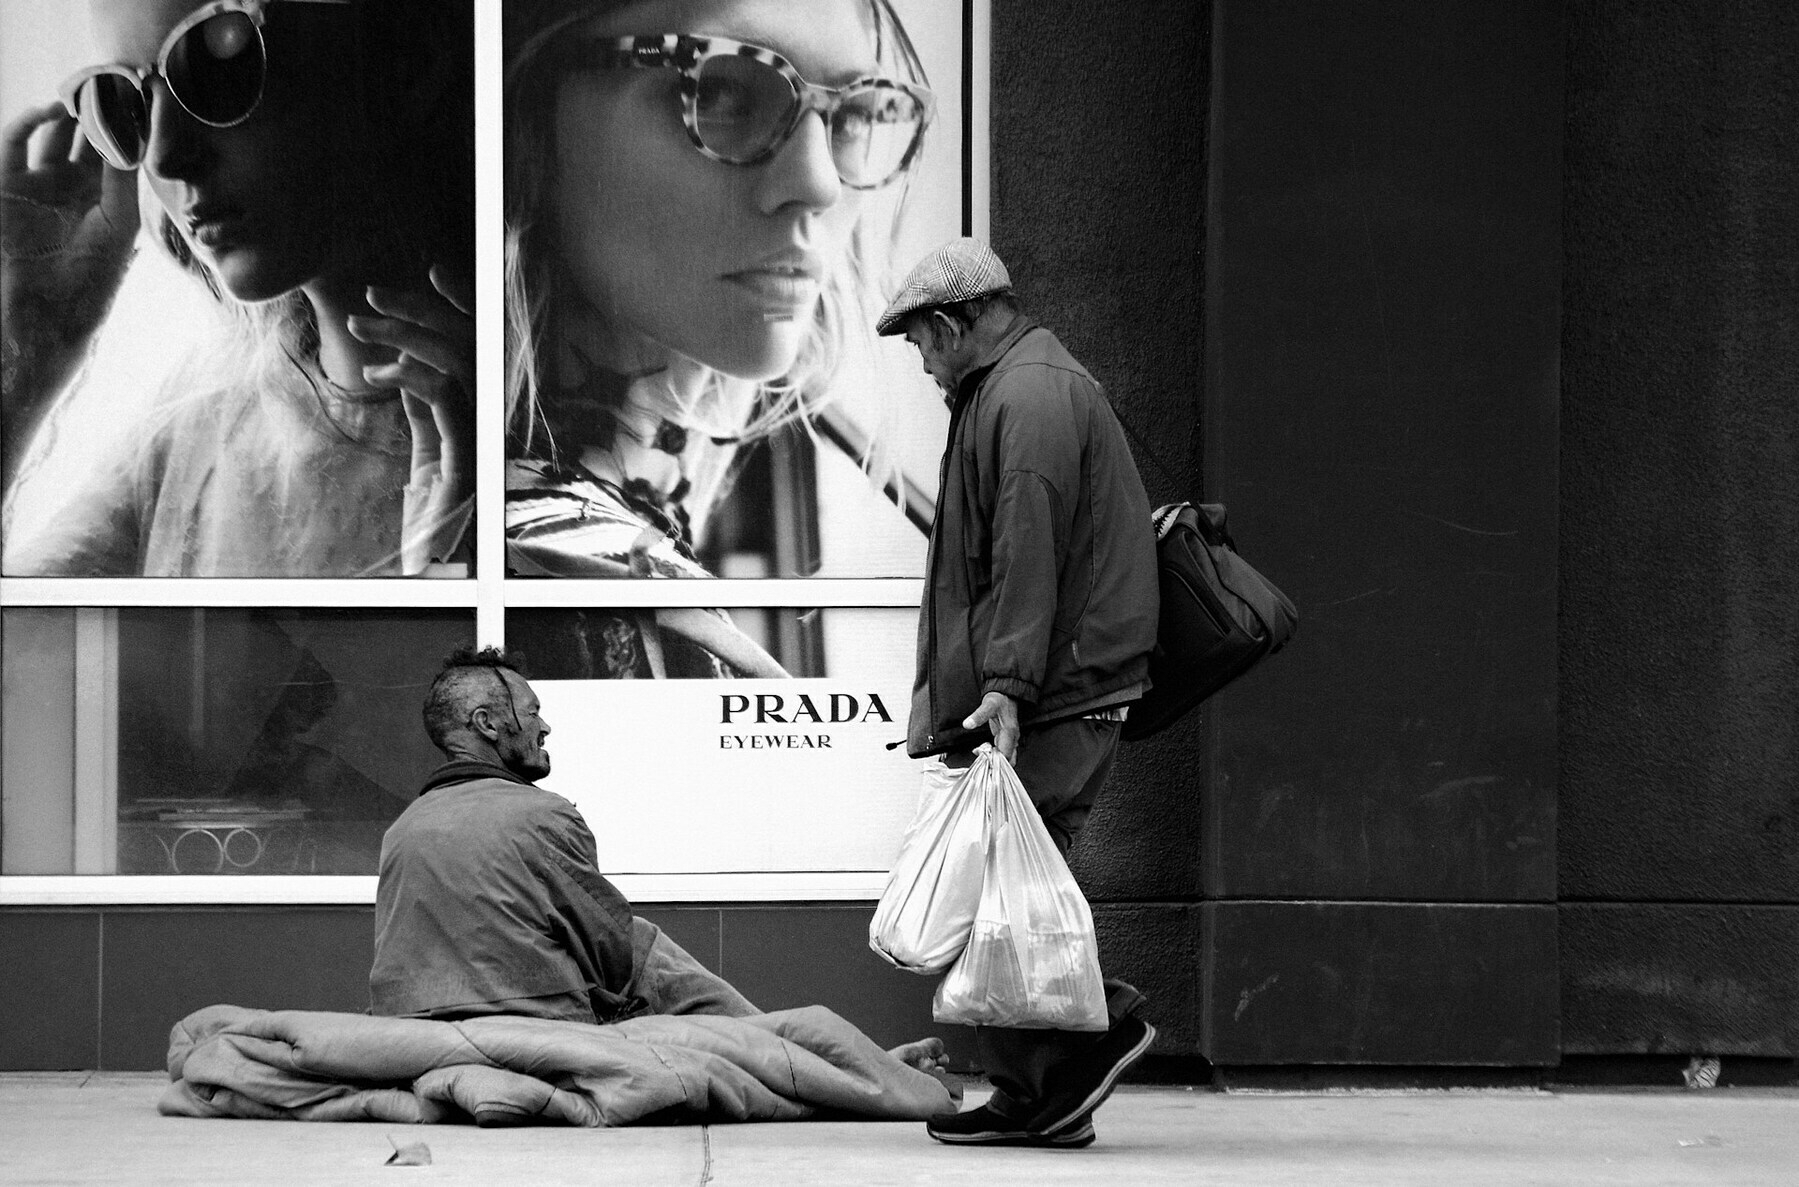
781, 292
213, 227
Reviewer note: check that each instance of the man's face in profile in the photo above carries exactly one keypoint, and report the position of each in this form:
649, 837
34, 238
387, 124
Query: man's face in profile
522, 729
937, 349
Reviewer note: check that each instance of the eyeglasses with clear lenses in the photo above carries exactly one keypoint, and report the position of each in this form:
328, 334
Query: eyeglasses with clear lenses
214, 63
741, 103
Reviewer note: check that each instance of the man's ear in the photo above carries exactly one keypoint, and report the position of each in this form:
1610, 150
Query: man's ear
941, 324
481, 721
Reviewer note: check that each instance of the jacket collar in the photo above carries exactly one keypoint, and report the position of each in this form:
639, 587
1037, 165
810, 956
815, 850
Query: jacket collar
466, 770
1016, 329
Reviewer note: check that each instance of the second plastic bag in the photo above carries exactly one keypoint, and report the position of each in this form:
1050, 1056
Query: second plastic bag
1032, 960
923, 919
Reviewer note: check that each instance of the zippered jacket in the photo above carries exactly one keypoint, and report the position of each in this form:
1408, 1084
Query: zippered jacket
1041, 582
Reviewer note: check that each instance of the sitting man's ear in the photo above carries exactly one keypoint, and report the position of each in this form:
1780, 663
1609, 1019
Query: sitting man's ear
481, 721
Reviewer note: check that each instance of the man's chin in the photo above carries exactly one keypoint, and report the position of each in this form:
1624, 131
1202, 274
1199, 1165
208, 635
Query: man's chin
529, 771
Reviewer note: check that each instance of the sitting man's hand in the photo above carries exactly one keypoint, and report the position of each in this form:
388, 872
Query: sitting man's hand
999, 713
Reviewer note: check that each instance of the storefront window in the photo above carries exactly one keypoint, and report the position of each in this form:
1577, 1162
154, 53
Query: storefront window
214, 740
222, 602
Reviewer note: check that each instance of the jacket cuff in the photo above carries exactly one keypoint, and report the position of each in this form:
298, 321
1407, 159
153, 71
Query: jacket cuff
1017, 689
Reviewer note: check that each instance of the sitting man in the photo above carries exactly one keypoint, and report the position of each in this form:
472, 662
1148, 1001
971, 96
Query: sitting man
490, 898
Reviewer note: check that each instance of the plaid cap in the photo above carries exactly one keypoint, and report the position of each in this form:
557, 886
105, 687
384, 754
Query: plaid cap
960, 270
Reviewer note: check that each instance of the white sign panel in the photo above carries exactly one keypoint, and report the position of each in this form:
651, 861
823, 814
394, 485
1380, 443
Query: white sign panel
742, 776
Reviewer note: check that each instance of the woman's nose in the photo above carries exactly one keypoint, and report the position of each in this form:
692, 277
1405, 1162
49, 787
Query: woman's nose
802, 171
176, 140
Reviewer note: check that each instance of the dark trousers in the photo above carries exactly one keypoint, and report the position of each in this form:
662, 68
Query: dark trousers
1063, 766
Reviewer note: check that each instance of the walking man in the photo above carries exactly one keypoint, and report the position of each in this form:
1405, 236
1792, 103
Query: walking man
1039, 615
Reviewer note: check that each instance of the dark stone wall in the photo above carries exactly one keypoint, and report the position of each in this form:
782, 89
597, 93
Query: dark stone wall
1382, 330
1679, 634
1098, 132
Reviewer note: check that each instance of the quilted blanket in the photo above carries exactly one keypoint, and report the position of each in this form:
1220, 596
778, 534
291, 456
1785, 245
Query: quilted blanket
228, 1061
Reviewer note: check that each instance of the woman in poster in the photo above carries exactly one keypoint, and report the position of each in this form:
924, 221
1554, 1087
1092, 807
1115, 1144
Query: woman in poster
311, 163
699, 199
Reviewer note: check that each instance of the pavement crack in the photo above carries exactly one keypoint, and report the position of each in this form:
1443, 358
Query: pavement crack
706, 1153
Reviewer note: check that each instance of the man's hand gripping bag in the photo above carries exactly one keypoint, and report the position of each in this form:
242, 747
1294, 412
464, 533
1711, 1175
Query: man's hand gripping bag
1032, 960
927, 910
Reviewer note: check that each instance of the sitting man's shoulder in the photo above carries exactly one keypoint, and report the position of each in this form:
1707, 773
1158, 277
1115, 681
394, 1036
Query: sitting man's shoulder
490, 802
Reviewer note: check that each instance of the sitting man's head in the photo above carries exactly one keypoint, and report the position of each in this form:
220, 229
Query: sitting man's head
480, 707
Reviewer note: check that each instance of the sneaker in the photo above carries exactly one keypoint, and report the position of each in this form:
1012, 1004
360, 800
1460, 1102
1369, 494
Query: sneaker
1074, 1136
1086, 1082
983, 1127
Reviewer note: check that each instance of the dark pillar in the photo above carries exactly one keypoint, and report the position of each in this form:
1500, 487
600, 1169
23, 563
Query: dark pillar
1098, 134
1382, 325
1680, 549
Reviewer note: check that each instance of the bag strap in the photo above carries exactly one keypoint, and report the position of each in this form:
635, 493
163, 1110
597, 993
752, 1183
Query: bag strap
1147, 451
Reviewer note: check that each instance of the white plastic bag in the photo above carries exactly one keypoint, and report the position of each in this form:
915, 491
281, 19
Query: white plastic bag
1032, 959
923, 919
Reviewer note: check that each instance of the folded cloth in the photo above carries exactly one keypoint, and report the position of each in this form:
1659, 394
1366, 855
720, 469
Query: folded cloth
228, 1061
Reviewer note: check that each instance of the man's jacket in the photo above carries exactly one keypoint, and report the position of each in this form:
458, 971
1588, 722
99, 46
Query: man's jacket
490, 892
1041, 582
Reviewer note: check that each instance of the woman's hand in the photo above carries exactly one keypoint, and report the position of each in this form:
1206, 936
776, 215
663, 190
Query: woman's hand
435, 335
67, 224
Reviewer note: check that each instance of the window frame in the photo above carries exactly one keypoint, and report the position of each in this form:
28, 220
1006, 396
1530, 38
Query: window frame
489, 592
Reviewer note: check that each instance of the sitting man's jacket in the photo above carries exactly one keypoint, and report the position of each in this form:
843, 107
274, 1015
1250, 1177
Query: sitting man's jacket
1042, 575
491, 899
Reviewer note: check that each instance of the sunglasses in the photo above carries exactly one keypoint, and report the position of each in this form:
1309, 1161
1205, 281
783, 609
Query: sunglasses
741, 103
214, 63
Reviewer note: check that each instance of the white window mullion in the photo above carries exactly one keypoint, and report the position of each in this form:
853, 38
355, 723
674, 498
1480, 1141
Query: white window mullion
490, 320
372, 592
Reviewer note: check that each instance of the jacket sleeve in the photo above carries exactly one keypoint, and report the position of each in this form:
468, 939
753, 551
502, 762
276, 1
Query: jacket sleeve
595, 917
1038, 459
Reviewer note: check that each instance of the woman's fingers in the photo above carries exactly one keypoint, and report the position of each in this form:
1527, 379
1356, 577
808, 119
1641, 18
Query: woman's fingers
427, 309
55, 146
426, 390
15, 142
118, 196
445, 395
434, 349
457, 289
435, 372
439, 413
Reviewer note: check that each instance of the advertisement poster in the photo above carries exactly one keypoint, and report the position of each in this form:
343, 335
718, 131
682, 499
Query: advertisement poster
695, 386
701, 226
676, 425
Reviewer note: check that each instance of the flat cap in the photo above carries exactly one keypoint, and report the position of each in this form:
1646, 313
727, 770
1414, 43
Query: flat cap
960, 270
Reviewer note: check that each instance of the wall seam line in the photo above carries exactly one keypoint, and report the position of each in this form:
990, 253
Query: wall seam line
99, 989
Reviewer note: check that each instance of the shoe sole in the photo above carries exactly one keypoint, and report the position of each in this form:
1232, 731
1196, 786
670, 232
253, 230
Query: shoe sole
1100, 1092
1069, 1139
987, 1138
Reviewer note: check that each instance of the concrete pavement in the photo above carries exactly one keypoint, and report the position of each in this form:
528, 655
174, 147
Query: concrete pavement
104, 1128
